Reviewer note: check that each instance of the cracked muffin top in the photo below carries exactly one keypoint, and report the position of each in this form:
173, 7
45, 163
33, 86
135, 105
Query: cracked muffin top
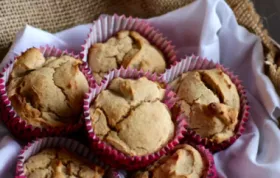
130, 116
127, 49
47, 92
184, 162
211, 102
59, 163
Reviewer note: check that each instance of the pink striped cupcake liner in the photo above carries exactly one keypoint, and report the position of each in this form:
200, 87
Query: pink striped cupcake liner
18, 126
107, 26
108, 152
198, 63
210, 171
70, 145
117, 173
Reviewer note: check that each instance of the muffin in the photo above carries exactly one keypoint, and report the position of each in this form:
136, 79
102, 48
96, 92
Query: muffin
184, 162
125, 49
47, 92
211, 101
130, 116
59, 163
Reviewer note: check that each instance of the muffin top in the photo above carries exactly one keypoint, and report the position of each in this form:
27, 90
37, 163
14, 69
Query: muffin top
130, 116
211, 102
59, 163
47, 92
184, 162
127, 49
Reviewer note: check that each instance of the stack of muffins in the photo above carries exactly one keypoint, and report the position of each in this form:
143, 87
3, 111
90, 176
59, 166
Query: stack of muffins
143, 110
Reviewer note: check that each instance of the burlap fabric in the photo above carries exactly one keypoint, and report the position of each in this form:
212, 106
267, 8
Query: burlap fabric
56, 15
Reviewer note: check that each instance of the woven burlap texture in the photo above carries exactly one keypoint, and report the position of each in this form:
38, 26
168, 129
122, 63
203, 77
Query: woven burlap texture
56, 15
247, 16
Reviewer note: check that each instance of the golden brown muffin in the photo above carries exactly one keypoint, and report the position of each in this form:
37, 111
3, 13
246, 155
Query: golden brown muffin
211, 101
47, 92
127, 49
185, 162
130, 116
59, 163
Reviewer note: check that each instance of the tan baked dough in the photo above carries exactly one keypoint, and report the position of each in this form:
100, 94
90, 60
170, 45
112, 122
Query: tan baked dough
47, 92
130, 116
59, 163
210, 100
127, 49
185, 162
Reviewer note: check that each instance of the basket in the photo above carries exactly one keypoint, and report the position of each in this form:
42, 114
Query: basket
56, 15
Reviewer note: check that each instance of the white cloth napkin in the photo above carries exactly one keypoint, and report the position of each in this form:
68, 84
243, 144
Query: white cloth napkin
209, 29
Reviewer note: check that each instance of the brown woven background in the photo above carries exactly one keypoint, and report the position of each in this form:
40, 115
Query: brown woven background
56, 15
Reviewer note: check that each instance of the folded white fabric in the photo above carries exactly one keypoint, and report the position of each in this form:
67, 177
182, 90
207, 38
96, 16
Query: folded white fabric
209, 29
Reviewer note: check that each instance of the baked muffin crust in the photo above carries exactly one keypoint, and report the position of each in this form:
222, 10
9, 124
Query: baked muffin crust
59, 163
126, 49
210, 100
47, 92
130, 116
185, 162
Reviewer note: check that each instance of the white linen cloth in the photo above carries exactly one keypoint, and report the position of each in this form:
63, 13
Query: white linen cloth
205, 28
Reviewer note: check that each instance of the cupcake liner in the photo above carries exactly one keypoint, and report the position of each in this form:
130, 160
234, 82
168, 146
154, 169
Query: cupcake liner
108, 152
195, 63
107, 26
70, 145
211, 171
117, 173
19, 127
